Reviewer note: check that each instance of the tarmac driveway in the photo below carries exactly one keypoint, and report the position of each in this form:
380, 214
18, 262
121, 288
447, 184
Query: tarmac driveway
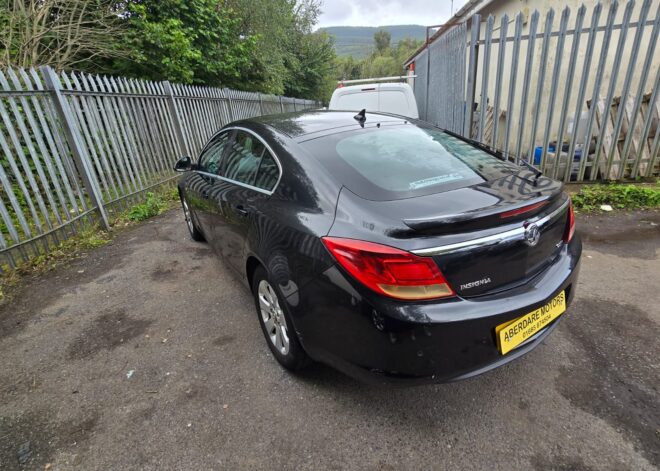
147, 354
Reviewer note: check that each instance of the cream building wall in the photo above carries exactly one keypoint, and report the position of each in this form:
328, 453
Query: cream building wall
526, 8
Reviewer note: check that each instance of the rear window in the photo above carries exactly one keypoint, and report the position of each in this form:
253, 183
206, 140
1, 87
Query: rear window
393, 162
358, 101
243, 158
393, 101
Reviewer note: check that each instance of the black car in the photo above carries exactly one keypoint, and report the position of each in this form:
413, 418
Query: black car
384, 247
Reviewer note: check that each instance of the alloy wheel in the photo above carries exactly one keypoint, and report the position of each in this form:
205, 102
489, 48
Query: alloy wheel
273, 317
187, 215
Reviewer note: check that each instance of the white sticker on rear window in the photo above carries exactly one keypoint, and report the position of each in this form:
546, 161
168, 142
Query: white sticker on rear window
435, 180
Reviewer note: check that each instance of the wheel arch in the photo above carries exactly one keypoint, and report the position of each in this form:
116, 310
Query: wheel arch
251, 265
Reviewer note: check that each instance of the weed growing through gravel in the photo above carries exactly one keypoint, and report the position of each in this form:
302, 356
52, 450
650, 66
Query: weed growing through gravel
153, 206
618, 196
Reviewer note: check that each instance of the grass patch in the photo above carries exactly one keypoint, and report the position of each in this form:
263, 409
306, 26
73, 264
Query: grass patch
619, 196
155, 203
153, 206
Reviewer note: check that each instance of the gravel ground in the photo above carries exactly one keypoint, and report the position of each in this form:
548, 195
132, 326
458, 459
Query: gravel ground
147, 354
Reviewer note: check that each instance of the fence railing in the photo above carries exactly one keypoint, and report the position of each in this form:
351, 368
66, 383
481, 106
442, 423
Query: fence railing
446, 86
75, 147
575, 93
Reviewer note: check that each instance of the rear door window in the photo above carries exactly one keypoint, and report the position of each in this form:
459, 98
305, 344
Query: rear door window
393, 162
243, 157
268, 173
210, 159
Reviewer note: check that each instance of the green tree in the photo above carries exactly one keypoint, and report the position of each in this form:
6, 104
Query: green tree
382, 40
311, 66
257, 45
382, 66
311, 55
270, 23
382, 62
188, 41
348, 68
289, 57
406, 47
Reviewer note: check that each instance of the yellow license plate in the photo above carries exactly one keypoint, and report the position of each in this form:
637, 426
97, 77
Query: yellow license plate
513, 333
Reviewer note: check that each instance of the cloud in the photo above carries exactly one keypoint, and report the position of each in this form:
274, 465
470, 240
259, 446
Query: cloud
386, 12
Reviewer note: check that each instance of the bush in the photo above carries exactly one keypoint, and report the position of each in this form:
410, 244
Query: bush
618, 196
153, 206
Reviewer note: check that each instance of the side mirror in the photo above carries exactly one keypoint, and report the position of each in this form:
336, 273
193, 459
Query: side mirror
183, 164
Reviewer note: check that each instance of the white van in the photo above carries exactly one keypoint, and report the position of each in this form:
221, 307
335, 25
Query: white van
396, 98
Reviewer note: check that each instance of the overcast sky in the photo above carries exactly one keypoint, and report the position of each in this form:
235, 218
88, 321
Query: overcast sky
386, 12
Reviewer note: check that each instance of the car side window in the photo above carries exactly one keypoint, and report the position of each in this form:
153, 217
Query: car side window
268, 172
243, 158
210, 159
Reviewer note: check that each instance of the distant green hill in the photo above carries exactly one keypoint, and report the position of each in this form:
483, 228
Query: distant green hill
358, 41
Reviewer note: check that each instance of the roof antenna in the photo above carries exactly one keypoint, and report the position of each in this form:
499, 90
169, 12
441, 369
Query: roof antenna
361, 116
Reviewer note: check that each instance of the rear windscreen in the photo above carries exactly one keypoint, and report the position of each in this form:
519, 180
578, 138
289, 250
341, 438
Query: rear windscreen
393, 101
393, 162
357, 101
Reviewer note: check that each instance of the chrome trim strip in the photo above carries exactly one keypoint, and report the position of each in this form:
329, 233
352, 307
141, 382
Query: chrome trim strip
229, 180
506, 236
266, 145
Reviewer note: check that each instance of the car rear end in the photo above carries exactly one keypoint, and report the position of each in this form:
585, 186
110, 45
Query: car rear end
449, 262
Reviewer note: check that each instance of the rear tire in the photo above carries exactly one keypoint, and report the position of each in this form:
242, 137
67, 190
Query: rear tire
195, 233
276, 323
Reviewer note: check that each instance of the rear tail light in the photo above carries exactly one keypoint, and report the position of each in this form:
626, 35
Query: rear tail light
389, 271
570, 224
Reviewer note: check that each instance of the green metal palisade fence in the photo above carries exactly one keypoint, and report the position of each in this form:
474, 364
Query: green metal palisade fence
75, 146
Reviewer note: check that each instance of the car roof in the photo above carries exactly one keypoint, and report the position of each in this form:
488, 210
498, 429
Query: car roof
301, 125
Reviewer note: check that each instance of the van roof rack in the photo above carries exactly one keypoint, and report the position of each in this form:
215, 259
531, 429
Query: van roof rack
377, 79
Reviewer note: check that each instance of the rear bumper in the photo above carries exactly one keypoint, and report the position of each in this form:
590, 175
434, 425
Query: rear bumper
378, 340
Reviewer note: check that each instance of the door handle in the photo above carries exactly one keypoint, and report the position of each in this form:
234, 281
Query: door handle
241, 210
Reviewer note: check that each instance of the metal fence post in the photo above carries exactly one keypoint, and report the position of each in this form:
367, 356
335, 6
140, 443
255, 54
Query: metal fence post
427, 45
73, 138
261, 104
178, 130
230, 106
281, 105
472, 74
428, 75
